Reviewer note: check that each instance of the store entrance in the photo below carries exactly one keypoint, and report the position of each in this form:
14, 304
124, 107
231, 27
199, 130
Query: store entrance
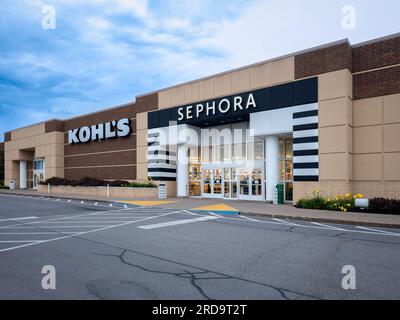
212, 183
251, 186
38, 177
38, 174
233, 184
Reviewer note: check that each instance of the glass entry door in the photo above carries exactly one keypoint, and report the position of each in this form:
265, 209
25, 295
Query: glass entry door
230, 184
251, 184
233, 184
37, 179
212, 183
38, 172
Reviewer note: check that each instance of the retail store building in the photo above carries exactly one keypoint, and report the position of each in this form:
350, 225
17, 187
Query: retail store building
326, 118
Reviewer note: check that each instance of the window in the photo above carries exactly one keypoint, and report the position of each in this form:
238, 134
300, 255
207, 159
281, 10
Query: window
38, 165
255, 150
207, 154
239, 151
194, 155
286, 167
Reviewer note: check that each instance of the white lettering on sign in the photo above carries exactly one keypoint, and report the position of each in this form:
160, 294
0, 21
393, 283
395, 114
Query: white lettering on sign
211, 107
101, 131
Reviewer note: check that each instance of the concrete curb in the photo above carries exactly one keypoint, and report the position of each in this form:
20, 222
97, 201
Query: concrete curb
44, 195
260, 215
326, 220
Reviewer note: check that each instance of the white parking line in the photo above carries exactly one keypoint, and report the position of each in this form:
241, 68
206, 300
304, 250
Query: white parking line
177, 222
19, 241
250, 219
328, 226
18, 219
82, 222
33, 233
383, 233
377, 230
66, 217
86, 232
286, 222
53, 227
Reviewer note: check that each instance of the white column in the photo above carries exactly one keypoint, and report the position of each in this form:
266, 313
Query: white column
23, 183
182, 171
272, 165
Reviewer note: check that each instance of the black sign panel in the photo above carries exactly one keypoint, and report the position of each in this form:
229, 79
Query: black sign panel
237, 108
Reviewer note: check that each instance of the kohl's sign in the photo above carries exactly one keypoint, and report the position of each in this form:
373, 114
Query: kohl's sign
217, 107
109, 130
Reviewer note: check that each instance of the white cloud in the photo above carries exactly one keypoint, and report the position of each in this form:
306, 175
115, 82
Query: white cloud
98, 23
136, 7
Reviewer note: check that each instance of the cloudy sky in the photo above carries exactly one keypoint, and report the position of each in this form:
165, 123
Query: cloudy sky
105, 52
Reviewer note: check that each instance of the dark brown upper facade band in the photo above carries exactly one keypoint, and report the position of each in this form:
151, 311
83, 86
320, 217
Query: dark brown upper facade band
106, 153
101, 159
365, 58
1, 162
376, 55
334, 58
107, 173
7, 136
376, 83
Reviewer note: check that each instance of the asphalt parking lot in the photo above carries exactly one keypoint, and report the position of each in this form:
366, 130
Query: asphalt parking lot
118, 251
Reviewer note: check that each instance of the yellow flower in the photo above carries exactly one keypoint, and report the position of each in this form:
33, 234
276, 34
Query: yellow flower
348, 195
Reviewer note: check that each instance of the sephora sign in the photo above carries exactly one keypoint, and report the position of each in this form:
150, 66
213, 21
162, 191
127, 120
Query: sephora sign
109, 130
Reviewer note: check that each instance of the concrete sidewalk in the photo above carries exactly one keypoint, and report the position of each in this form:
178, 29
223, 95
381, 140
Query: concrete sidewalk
248, 208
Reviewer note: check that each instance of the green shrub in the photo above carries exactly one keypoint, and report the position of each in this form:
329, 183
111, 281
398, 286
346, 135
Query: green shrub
344, 204
314, 203
141, 185
385, 206
2, 186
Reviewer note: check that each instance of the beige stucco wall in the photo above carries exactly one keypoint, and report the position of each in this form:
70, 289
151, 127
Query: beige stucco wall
34, 141
253, 77
141, 147
362, 156
377, 141
336, 134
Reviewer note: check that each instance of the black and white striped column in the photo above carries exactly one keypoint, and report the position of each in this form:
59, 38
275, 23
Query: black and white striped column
161, 158
305, 144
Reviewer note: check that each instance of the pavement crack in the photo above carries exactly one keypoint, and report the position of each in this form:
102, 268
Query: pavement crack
195, 276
